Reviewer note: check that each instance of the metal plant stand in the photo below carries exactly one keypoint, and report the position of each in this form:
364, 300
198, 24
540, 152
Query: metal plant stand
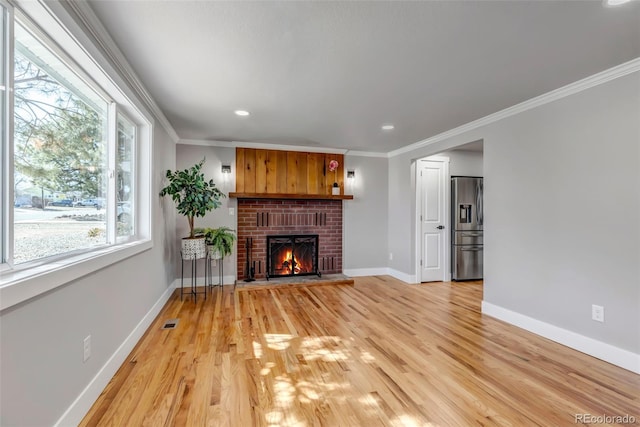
194, 276
209, 271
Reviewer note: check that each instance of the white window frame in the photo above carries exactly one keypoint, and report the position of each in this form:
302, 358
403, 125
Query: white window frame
136, 180
18, 284
6, 149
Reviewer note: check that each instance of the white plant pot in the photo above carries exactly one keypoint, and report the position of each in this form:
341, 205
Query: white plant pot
214, 253
194, 248
335, 191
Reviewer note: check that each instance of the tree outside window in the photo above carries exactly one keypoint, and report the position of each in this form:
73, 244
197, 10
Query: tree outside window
60, 160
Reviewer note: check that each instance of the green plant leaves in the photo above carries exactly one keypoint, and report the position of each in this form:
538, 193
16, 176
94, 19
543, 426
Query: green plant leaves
221, 238
193, 194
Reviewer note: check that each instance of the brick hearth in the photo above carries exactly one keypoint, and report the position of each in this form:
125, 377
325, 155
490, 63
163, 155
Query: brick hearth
259, 218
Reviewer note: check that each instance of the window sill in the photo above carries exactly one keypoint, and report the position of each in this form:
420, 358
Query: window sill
20, 285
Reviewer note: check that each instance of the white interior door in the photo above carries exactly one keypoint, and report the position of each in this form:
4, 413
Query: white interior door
432, 186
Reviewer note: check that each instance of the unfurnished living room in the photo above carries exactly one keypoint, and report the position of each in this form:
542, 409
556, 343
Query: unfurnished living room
276, 213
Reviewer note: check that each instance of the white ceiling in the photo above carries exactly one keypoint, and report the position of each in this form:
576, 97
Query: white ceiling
329, 74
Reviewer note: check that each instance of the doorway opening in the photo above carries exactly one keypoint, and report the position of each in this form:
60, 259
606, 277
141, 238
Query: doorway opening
433, 245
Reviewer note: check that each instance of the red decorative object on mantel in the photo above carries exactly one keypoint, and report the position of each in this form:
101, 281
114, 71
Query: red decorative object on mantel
333, 167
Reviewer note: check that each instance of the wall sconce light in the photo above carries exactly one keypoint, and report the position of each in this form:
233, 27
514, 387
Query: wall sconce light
351, 174
226, 168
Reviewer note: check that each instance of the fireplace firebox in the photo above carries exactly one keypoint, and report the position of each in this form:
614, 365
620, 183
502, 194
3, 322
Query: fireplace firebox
295, 255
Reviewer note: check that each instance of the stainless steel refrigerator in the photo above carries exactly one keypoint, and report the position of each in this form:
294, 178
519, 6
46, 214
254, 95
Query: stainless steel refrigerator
467, 221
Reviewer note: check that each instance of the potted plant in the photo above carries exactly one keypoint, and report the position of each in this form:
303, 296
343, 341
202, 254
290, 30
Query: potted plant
219, 240
194, 197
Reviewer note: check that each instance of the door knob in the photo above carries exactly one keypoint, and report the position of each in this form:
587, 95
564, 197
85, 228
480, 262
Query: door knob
440, 227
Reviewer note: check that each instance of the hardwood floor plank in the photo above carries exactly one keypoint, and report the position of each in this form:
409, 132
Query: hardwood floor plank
378, 353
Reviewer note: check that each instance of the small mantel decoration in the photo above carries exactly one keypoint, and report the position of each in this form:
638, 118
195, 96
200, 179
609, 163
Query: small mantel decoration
333, 167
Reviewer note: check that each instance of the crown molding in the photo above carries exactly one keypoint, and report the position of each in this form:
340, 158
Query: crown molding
570, 89
103, 41
242, 144
366, 154
205, 143
260, 145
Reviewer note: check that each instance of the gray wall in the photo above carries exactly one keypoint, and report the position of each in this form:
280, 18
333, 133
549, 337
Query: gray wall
465, 163
365, 217
402, 207
42, 339
215, 157
562, 211
551, 168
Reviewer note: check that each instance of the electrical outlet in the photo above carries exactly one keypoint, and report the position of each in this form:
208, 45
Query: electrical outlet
390, 256
232, 211
597, 313
87, 348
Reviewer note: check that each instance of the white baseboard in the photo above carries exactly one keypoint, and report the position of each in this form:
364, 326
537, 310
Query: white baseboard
80, 407
407, 278
382, 271
351, 272
226, 280
358, 272
607, 352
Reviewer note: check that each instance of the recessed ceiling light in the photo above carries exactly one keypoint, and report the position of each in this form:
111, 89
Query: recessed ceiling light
241, 112
615, 2
388, 127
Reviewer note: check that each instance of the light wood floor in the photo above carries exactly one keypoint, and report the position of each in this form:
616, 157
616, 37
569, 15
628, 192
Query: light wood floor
380, 353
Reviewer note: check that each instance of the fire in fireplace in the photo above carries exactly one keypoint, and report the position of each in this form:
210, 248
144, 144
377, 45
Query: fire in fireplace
292, 255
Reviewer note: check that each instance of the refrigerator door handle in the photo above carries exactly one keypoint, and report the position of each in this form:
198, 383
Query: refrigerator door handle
470, 249
471, 235
479, 207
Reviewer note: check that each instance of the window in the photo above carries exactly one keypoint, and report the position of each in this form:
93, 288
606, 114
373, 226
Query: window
60, 150
76, 158
125, 186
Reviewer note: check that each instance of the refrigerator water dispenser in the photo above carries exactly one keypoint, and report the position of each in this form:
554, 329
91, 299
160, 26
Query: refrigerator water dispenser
465, 214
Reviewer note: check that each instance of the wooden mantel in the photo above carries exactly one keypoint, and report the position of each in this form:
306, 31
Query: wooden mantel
274, 174
289, 196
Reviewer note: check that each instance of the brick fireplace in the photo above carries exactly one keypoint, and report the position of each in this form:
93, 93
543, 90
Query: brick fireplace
259, 218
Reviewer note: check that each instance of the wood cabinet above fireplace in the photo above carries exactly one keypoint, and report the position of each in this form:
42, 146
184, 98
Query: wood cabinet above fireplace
278, 174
